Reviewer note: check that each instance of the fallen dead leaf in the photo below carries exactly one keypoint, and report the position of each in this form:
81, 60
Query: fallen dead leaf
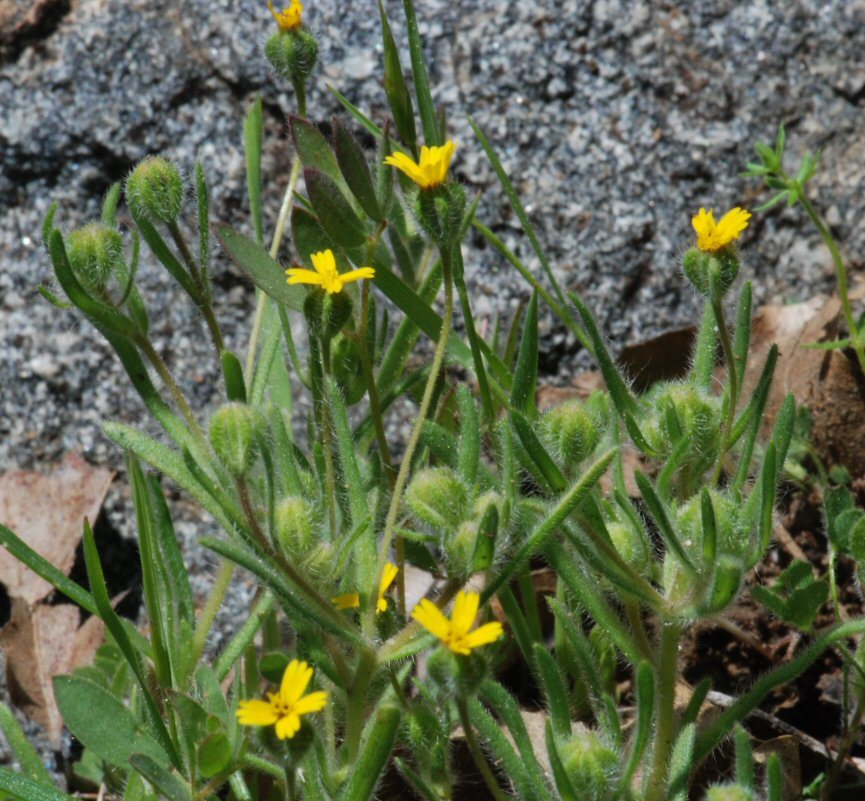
787, 748
47, 512
39, 643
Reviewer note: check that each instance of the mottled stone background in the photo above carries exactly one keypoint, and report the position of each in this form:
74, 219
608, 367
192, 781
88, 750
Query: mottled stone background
616, 119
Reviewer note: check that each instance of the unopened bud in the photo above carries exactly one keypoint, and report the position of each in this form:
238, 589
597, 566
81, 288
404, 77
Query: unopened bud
711, 273
630, 544
154, 191
460, 549
326, 314
94, 252
589, 763
571, 432
234, 432
440, 211
729, 792
457, 676
437, 497
293, 521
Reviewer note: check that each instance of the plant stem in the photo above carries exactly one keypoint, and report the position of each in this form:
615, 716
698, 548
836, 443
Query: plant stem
423, 412
244, 636
211, 609
732, 381
261, 303
356, 702
665, 700
841, 273
179, 398
477, 754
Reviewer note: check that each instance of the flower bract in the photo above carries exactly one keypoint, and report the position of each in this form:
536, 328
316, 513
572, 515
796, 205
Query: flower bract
351, 600
456, 633
325, 274
431, 170
285, 708
711, 235
289, 18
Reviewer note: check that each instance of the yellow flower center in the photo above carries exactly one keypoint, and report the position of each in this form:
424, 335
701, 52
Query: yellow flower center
290, 18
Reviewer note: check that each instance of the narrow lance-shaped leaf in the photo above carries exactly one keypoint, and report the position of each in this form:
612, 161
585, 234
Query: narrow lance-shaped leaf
526, 373
253, 128
545, 464
398, 97
662, 521
419, 76
313, 148
355, 170
374, 756
645, 692
334, 212
554, 690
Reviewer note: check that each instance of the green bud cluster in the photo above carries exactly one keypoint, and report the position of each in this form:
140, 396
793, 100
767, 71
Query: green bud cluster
95, 252
438, 497
590, 764
457, 676
235, 429
154, 191
711, 273
293, 520
327, 314
571, 431
292, 54
729, 792
440, 211
630, 543
682, 410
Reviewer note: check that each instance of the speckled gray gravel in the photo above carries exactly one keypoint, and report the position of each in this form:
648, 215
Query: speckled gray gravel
616, 119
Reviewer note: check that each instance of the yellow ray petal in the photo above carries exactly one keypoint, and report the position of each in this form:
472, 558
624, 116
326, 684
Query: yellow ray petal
465, 611
310, 703
483, 635
295, 680
256, 713
324, 262
288, 726
348, 601
431, 618
297, 275
357, 275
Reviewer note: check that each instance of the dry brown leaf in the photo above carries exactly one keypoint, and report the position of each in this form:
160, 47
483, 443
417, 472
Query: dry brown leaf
39, 643
787, 748
47, 512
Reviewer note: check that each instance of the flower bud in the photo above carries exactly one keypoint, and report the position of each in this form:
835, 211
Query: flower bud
729, 536
346, 368
327, 313
460, 548
437, 497
154, 191
726, 582
570, 431
293, 519
319, 564
234, 432
711, 273
292, 54
696, 414
729, 792
457, 676
589, 764
630, 544
440, 211
94, 252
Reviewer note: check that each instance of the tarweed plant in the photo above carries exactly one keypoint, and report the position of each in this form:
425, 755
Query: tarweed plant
335, 679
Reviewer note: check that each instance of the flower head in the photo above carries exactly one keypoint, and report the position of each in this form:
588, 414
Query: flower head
455, 633
325, 274
283, 709
289, 18
431, 170
351, 600
712, 236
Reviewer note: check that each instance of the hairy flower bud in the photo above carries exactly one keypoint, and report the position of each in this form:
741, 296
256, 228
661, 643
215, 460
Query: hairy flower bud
460, 548
326, 314
729, 792
154, 190
589, 763
457, 676
630, 544
293, 519
292, 54
437, 497
234, 432
682, 410
94, 252
440, 211
570, 431
711, 273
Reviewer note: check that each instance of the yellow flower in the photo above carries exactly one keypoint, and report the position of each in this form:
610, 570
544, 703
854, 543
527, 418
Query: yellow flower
352, 599
455, 633
283, 709
431, 170
712, 236
288, 19
325, 274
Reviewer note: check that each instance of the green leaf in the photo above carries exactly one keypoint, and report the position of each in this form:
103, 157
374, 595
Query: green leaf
52, 298
645, 692
22, 751
355, 170
214, 755
662, 521
419, 76
165, 782
164, 256
554, 690
395, 88
681, 763
470, 435
109, 205
102, 723
25, 789
313, 148
365, 122
563, 781
265, 272
544, 531
308, 235
538, 453
742, 742
780, 142
334, 212
201, 195
253, 127
374, 755
526, 373
232, 370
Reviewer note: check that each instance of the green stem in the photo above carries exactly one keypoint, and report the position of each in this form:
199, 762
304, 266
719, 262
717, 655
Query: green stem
179, 398
840, 272
665, 702
245, 635
423, 412
477, 755
261, 303
211, 609
355, 709
732, 380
